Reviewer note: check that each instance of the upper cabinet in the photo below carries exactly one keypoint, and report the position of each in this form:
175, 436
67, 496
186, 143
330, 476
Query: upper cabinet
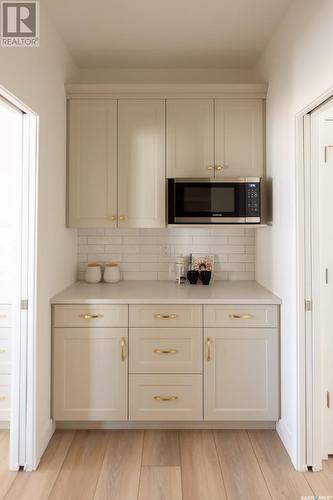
92, 190
190, 138
141, 163
239, 147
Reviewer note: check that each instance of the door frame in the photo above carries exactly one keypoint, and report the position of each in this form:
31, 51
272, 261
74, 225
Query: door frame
309, 404
22, 448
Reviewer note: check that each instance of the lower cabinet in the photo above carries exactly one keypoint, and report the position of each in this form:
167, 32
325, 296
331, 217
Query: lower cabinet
241, 374
90, 373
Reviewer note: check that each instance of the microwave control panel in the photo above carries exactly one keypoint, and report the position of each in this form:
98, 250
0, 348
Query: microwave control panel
252, 200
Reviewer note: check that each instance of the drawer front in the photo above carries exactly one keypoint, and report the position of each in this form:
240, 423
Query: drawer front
4, 397
165, 350
166, 397
241, 316
165, 315
90, 316
5, 316
5, 352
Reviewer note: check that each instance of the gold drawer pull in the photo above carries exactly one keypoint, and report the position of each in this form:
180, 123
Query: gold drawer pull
165, 398
209, 349
91, 316
166, 351
2, 398
2, 350
240, 316
123, 349
165, 316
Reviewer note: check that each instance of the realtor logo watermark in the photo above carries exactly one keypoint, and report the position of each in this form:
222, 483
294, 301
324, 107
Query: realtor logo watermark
19, 24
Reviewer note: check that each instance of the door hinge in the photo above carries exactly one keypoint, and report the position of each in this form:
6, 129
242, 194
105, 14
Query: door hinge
308, 305
328, 400
24, 305
326, 276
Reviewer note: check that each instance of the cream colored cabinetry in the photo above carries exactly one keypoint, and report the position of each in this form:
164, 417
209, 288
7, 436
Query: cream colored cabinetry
165, 362
241, 363
141, 163
239, 135
90, 363
215, 137
5, 365
92, 150
190, 138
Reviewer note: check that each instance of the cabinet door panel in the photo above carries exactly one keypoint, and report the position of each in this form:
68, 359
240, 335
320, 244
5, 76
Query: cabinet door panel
141, 163
241, 378
90, 376
190, 138
92, 163
239, 137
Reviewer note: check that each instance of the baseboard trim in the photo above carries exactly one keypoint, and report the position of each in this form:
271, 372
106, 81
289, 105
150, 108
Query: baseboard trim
164, 425
285, 437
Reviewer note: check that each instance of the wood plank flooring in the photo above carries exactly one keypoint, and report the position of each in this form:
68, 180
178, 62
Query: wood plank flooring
163, 465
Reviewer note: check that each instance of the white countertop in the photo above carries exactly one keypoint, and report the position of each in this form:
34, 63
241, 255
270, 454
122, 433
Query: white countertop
166, 292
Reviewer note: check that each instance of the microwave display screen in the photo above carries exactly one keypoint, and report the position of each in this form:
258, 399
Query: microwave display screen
208, 199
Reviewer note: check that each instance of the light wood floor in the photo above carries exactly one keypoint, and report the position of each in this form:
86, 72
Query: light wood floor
163, 465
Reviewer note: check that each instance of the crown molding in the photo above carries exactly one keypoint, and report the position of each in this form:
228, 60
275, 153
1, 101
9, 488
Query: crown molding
164, 91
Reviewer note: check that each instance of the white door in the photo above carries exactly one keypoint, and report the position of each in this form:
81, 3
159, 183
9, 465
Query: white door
92, 196
190, 138
241, 374
325, 268
90, 373
239, 135
141, 163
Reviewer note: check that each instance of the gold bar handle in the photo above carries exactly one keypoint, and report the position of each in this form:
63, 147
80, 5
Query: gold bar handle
165, 316
165, 351
240, 316
165, 398
123, 349
209, 348
91, 316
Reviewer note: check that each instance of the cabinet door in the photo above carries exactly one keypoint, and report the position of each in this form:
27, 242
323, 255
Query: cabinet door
92, 195
190, 138
141, 163
241, 374
90, 373
239, 148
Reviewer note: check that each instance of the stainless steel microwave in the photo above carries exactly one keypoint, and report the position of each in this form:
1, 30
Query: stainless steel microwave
215, 201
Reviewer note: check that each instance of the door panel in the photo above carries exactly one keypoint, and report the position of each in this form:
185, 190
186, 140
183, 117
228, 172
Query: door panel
141, 163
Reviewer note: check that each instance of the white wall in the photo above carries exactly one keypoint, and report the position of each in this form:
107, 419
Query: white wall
36, 76
297, 63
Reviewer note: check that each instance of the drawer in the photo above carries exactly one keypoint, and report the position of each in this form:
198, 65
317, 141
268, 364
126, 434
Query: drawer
165, 350
90, 315
241, 316
5, 316
4, 397
166, 397
5, 352
165, 315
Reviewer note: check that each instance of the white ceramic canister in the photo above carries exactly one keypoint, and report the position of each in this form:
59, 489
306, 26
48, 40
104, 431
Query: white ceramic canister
93, 273
111, 273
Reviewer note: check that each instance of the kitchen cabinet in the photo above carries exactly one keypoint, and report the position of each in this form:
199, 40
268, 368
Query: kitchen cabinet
190, 138
239, 138
141, 163
92, 156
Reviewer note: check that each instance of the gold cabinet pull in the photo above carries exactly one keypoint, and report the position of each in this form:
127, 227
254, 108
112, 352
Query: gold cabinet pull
219, 167
122, 217
3, 398
165, 316
210, 167
123, 349
91, 316
209, 348
240, 316
2, 350
113, 217
165, 398
165, 351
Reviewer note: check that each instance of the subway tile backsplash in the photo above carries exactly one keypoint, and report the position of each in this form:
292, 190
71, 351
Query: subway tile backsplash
149, 254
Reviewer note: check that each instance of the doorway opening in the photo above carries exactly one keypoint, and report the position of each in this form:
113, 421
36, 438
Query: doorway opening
18, 224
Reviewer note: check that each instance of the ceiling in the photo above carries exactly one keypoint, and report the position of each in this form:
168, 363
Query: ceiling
166, 33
